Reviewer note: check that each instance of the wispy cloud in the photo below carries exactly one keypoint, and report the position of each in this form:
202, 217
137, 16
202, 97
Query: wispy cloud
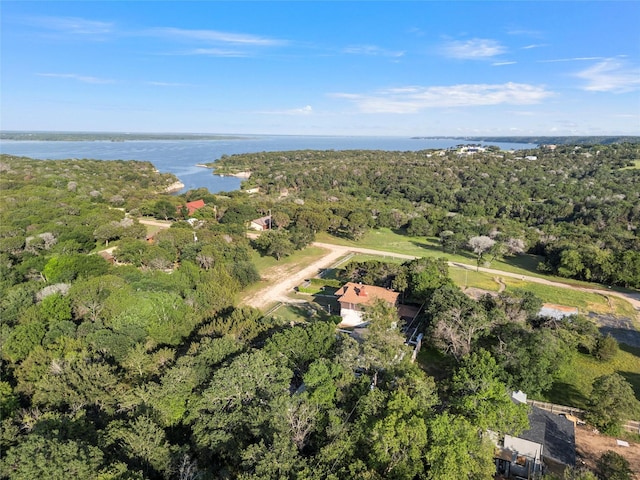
71, 25
213, 52
571, 59
611, 75
412, 99
535, 45
216, 36
476, 48
500, 64
372, 50
79, 78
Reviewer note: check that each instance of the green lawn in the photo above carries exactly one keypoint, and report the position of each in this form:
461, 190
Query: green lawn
636, 165
387, 240
574, 386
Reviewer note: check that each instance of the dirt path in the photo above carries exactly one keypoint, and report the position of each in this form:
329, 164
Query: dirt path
287, 280
156, 223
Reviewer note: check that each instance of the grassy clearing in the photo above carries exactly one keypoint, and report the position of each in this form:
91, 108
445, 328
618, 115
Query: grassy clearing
636, 165
574, 386
468, 278
267, 265
299, 259
390, 241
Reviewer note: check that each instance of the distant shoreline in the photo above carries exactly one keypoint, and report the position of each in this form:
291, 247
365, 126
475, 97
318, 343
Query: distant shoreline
111, 137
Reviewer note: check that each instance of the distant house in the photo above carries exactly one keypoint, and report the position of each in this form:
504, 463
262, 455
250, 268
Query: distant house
262, 223
549, 446
192, 207
353, 297
107, 256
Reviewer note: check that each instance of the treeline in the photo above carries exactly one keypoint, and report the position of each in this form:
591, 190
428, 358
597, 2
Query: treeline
565, 203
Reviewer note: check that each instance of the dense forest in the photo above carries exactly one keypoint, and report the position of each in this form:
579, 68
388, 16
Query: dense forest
577, 206
140, 363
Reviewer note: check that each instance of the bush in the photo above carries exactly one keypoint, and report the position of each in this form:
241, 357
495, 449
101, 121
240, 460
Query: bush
613, 466
606, 348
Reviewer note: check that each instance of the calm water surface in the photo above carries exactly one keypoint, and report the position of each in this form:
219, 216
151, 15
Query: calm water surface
180, 157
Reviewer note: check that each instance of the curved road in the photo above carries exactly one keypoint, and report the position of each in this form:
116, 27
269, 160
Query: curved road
279, 291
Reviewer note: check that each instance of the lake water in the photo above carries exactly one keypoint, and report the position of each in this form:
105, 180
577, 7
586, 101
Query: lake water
180, 157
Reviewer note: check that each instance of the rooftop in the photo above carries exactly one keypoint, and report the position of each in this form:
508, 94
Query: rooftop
357, 293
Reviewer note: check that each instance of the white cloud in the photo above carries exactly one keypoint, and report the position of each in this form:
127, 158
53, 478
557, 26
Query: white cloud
476, 48
611, 75
500, 64
535, 45
73, 25
75, 76
216, 36
413, 99
372, 50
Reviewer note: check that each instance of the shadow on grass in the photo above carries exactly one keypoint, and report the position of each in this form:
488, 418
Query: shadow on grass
627, 337
566, 394
437, 250
436, 364
634, 380
630, 349
526, 261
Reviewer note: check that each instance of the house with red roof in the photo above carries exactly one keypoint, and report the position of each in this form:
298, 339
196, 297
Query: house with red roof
192, 207
354, 297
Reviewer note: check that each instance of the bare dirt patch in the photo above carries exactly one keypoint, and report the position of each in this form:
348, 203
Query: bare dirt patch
590, 446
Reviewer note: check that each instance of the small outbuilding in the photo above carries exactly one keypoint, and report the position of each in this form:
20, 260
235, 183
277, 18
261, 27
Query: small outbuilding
260, 224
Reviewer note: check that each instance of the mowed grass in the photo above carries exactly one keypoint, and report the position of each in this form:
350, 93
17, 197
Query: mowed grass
385, 239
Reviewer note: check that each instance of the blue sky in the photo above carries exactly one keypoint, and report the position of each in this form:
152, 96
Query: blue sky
322, 68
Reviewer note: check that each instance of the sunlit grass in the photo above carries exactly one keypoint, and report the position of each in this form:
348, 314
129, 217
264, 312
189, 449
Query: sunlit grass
470, 278
574, 386
636, 165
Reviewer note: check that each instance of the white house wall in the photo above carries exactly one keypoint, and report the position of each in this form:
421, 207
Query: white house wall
350, 318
